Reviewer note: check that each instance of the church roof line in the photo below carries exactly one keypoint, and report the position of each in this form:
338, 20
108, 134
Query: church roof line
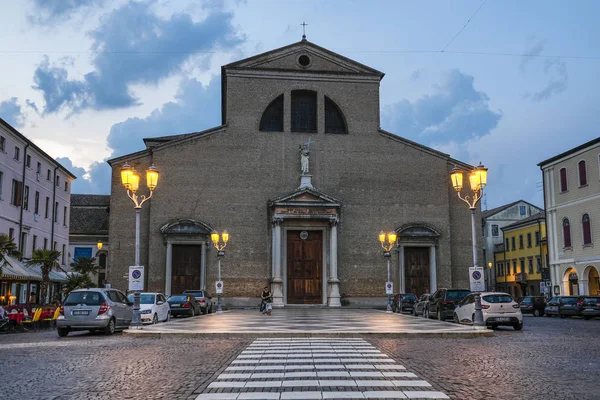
305, 43
424, 148
177, 139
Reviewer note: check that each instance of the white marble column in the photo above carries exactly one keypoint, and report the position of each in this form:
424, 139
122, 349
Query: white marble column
432, 270
276, 281
334, 282
583, 287
168, 269
402, 269
203, 267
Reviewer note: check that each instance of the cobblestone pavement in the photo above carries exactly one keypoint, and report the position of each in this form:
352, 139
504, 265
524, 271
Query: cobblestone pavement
551, 358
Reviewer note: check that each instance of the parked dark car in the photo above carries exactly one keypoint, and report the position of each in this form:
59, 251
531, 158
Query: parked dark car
590, 307
563, 306
403, 302
183, 304
421, 305
533, 305
204, 300
443, 302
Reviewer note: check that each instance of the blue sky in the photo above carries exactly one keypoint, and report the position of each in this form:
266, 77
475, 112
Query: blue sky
87, 79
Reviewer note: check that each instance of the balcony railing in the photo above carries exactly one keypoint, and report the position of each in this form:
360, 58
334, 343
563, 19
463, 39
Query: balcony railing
521, 277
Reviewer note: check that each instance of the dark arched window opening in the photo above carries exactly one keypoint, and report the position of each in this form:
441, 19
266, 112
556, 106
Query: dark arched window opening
566, 232
304, 111
587, 229
272, 118
563, 179
334, 119
582, 173
102, 260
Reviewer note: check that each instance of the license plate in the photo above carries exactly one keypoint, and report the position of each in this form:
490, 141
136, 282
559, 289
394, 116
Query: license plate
175, 305
502, 319
81, 312
589, 309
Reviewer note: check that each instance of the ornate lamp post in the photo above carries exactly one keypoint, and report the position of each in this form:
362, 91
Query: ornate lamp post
387, 246
219, 241
130, 179
477, 180
99, 245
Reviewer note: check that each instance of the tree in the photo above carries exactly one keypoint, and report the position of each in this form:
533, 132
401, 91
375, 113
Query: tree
47, 260
78, 281
85, 265
7, 248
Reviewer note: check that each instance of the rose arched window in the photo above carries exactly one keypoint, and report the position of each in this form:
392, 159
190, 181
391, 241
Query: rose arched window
566, 233
587, 229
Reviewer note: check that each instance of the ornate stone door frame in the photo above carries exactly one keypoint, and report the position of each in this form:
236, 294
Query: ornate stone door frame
418, 235
305, 209
185, 232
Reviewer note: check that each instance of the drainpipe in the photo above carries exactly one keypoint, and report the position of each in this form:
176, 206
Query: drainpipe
53, 209
541, 253
506, 267
22, 200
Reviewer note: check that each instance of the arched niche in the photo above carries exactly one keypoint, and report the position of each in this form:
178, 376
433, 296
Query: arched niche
272, 118
335, 121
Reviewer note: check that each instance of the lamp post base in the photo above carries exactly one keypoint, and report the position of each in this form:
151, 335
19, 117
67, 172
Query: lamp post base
478, 323
219, 304
136, 319
389, 305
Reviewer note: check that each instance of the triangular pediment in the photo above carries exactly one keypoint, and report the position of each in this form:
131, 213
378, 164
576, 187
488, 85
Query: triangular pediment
306, 197
319, 60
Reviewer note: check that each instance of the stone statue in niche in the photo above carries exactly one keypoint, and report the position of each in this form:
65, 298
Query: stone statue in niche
304, 150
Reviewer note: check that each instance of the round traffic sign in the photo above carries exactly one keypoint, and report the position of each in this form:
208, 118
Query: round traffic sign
476, 275
136, 274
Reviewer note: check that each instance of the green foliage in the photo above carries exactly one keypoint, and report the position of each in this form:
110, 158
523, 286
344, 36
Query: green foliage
8, 247
78, 281
47, 260
85, 265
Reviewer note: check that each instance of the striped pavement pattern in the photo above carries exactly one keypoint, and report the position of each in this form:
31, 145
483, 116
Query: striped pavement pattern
316, 368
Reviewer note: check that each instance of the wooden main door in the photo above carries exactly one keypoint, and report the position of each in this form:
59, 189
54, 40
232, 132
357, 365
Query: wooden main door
185, 262
304, 267
416, 269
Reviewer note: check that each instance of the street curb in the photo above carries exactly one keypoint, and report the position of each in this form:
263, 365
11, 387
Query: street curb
251, 335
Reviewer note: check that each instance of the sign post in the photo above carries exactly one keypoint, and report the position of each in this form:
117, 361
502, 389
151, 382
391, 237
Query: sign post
389, 288
219, 287
476, 279
136, 278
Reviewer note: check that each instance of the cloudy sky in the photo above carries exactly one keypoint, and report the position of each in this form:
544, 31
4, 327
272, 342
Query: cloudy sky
86, 80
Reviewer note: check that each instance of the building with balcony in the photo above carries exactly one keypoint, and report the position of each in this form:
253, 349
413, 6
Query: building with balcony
520, 263
572, 199
35, 196
492, 222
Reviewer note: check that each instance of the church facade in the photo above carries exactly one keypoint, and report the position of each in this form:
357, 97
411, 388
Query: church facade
303, 178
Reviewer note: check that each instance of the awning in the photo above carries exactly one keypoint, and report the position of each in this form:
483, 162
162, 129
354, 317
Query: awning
14, 269
53, 276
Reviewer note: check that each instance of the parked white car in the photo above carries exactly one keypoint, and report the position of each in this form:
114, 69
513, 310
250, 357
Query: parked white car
498, 309
153, 308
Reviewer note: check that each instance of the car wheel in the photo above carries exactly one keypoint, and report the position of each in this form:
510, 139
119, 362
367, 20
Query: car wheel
110, 328
62, 332
549, 315
155, 319
455, 318
536, 313
586, 317
518, 326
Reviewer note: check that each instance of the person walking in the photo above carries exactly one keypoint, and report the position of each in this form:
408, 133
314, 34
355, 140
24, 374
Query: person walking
266, 301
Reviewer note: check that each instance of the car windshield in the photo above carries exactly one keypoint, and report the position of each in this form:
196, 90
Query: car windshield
570, 300
195, 293
144, 298
409, 296
498, 298
592, 300
456, 294
177, 299
527, 300
87, 298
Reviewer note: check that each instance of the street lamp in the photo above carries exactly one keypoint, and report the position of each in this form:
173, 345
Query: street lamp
99, 245
219, 241
130, 179
477, 181
387, 246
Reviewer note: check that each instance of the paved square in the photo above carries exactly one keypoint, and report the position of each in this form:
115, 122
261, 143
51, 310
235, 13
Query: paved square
348, 377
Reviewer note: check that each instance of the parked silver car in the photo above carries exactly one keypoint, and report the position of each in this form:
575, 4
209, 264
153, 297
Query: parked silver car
94, 309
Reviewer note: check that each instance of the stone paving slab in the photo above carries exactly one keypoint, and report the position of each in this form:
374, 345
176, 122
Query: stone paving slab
343, 323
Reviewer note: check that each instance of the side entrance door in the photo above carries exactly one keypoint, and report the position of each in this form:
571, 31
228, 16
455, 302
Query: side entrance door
185, 263
416, 267
304, 267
